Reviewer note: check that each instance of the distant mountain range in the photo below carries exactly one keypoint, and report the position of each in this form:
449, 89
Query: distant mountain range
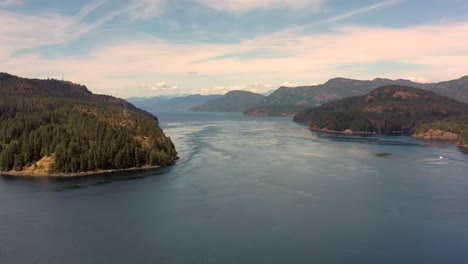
233, 101
287, 101
338, 88
162, 103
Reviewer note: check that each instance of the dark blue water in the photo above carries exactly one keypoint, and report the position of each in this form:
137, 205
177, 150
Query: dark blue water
250, 190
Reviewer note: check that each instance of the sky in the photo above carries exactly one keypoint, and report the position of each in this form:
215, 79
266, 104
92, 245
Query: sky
149, 48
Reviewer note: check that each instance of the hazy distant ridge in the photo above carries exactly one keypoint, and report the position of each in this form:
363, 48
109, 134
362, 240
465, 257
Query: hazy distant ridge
233, 101
179, 103
338, 88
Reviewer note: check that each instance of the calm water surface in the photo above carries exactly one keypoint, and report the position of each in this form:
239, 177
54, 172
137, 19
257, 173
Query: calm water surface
250, 190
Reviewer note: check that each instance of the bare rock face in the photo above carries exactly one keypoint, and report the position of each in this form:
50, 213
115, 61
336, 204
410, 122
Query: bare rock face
437, 134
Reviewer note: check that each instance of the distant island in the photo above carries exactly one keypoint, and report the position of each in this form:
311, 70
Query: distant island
392, 109
233, 101
178, 103
58, 128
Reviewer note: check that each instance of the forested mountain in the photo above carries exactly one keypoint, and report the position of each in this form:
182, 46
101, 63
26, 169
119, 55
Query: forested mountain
338, 88
457, 89
51, 127
386, 110
180, 103
233, 101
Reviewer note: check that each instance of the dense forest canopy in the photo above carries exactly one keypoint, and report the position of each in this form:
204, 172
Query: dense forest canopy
75, 130
387, 110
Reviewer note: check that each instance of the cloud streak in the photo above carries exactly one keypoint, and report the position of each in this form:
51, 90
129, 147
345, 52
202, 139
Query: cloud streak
9, 3
146, 9
359, 11
117, 64
243, 6
313, 58
26, 31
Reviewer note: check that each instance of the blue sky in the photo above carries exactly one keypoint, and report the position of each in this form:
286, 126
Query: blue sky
161, 47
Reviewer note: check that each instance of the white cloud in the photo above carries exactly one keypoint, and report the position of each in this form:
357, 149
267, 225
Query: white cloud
255, 88
418, 79
316, 57
242, 6
164, 88
289, 84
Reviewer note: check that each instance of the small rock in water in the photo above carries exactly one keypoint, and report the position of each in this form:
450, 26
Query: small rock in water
383, 154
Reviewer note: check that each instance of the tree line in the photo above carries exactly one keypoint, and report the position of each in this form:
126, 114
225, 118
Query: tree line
80, 135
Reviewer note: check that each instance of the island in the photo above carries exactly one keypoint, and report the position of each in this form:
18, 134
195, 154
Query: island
233, 101
59, 128
393, 109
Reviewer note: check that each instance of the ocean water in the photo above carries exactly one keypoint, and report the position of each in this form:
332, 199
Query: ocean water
250, 190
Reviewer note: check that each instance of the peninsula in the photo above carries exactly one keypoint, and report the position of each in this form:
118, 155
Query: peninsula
59, 128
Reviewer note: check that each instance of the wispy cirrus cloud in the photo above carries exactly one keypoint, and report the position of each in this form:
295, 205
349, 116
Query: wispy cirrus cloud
146, 9
242, 6
118, 64
362, 10
312, 58
19, 31
9, 3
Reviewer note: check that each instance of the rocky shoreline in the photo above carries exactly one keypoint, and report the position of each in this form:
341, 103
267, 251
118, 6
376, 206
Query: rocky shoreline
268, 114
437, 134
72, 175
431, 135
345, 132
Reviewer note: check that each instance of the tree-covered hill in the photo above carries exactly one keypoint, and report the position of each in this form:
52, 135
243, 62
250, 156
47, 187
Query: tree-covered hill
339, 88
51, 127
336, 88
386, 110
233, 101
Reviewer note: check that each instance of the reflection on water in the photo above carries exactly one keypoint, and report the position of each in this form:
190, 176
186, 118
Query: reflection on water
371, 139
250, 190
73, 183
